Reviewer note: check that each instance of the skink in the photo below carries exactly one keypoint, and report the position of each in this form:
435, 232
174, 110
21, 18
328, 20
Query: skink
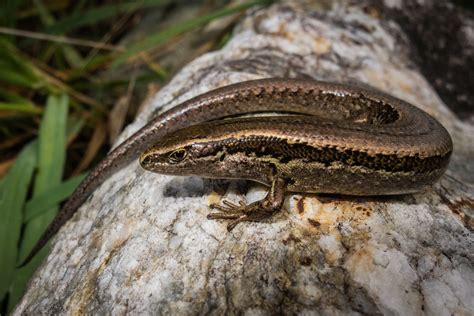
333, 138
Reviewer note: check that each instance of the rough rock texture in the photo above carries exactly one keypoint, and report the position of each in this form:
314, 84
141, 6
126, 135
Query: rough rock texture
142, 243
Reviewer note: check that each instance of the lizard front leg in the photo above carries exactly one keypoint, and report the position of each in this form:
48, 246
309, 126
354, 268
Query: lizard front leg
255, 211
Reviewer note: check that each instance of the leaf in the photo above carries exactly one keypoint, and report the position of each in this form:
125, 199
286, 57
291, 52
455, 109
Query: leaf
13, 192
25, 107
117, 117
51, 158
160, 37
45, 16
8, 12
18, 70
74, 126
97, 14
5, 166
97, 140
55, 195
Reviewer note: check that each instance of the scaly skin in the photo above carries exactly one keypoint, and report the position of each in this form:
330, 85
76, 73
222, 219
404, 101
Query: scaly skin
328, 101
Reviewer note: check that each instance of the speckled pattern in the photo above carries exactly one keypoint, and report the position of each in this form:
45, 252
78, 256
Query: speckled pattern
326, 100
311, 154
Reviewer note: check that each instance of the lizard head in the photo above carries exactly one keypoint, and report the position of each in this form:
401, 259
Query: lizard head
189, 151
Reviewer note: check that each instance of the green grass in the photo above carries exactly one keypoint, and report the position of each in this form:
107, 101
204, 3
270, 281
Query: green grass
38, 205
13, 194
158, 38
52, 96
50, 160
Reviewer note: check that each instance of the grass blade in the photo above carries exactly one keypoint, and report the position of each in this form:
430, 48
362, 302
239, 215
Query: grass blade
97, 14
160, 37
51, 158
13, 192
55, 195
25, 107
18, 70
8, 12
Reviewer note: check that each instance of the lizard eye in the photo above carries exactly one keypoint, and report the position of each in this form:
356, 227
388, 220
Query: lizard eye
146, 160
177, 155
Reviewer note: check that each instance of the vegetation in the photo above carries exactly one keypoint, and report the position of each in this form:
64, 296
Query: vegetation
64, 65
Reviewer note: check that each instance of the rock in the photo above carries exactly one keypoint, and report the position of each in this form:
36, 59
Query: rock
142, 244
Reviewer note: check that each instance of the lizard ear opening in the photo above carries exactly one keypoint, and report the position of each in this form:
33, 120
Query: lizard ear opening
177, 155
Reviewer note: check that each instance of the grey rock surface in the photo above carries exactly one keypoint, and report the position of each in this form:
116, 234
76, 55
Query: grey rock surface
142, 244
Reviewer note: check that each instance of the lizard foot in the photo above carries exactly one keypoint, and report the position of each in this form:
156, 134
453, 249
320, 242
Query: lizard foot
252, 212
240, 213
